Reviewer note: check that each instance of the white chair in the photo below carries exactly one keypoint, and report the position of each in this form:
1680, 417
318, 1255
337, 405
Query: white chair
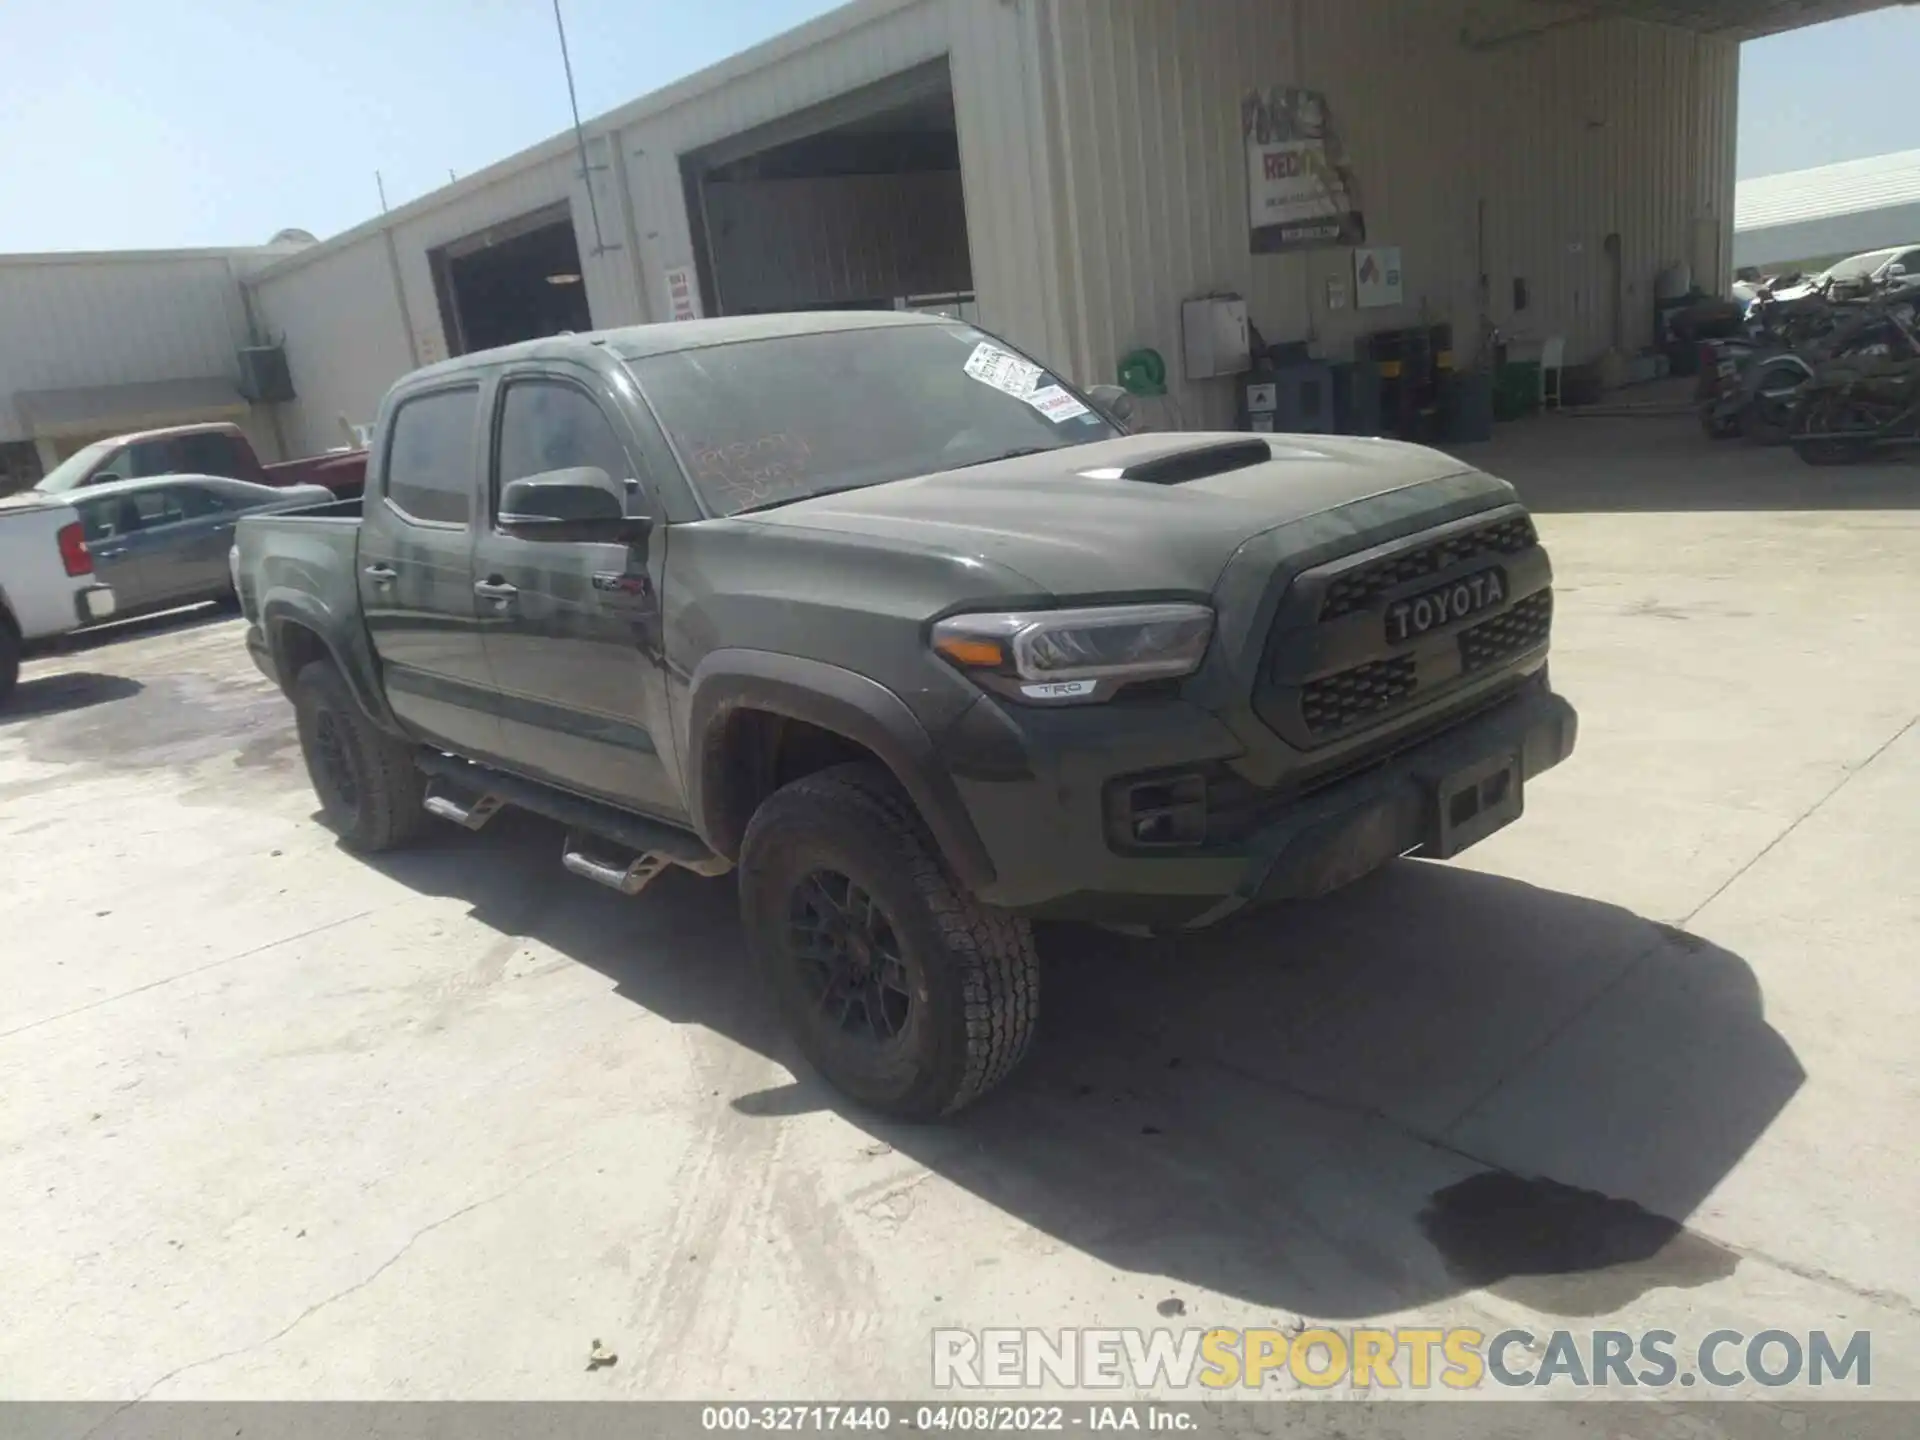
1553, 361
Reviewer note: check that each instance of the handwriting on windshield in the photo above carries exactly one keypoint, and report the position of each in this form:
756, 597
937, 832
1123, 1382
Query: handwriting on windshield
751, 472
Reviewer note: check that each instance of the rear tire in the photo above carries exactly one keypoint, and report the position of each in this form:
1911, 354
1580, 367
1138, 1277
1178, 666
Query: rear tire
366, 781
9, 657
906, 993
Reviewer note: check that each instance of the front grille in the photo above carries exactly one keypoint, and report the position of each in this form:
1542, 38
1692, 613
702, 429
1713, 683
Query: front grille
1358, 589
1336, 702
1524, 627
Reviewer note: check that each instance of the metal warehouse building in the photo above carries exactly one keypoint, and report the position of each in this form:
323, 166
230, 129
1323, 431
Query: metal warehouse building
1071, 171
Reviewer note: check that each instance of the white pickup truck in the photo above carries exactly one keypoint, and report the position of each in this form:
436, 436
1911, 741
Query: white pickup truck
47, 584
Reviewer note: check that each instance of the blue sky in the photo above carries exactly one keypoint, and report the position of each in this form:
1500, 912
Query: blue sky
129, 123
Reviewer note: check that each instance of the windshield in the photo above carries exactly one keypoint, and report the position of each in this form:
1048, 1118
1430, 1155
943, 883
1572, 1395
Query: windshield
68, 474
1861, 266
766, 422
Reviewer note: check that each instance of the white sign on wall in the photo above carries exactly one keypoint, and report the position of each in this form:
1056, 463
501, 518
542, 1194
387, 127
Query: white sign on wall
1301, 194
683, 293
1377, 281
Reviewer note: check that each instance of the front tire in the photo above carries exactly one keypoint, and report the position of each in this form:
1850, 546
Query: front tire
366, 781
906, 993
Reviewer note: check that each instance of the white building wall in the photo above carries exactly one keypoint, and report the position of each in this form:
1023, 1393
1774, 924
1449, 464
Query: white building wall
989, 47
68, 321
340, 317
1568, 137
1103, 174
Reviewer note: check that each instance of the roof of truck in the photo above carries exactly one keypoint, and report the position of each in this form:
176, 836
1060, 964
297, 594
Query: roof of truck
636, 342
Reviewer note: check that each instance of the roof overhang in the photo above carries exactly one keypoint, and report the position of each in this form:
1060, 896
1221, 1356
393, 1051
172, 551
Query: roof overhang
114, 409
1500, 24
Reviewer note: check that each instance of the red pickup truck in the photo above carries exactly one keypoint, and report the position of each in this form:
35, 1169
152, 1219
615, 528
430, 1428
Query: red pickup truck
210, 449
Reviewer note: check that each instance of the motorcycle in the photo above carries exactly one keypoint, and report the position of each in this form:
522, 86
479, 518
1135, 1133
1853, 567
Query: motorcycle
1796, 337
1859, 407
1864, 398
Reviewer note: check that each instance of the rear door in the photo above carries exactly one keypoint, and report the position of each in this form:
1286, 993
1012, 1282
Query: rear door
416, 570
573, 630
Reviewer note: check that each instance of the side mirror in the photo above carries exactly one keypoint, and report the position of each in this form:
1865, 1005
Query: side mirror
105, 477
584, 503
1115, 403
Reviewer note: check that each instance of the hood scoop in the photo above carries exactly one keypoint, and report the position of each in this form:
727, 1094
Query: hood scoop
1196, 464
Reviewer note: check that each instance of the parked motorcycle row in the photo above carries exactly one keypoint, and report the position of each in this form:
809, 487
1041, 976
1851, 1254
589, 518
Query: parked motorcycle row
1831, 369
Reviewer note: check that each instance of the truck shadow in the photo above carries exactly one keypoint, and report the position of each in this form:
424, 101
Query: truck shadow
57, 694
1434, 1082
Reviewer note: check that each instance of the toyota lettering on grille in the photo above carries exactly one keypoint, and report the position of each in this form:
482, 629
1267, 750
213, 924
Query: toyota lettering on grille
1410, 619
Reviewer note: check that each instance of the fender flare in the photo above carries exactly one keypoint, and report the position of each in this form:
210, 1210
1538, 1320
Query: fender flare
283, 608
835, 699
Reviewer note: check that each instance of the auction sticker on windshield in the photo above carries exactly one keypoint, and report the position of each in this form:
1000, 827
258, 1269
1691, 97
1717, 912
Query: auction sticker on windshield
1056, 404
1003, 370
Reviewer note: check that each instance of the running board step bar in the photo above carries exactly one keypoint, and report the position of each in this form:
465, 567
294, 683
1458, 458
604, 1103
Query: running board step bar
629, 879
455, 779
470, 815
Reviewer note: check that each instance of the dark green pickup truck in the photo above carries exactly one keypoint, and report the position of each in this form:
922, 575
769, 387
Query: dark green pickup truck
913, 634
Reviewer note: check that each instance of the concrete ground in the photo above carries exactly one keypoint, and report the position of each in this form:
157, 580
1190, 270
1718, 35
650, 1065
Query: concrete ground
276, 1121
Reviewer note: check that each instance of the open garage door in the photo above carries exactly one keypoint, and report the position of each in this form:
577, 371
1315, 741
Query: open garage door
518, 280
855, 204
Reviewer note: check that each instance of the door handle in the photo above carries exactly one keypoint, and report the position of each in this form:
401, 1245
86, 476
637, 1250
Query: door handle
114, 554
496, 590
382, 575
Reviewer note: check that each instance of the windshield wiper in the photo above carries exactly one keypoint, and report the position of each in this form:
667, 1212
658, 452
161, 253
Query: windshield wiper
1015, 454
793, 499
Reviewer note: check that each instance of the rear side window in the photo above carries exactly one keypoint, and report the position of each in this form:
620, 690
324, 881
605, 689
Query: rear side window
430, 457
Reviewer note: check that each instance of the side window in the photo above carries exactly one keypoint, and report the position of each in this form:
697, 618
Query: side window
546, 425
430, 456
96, 520
199, 501
117, 466
210, 454
159, 507
146, 457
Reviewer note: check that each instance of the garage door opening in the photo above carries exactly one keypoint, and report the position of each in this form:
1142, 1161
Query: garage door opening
852, 205
519, 280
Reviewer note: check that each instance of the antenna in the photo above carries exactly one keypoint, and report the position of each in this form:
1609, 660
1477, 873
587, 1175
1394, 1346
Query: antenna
381, 186
580, 135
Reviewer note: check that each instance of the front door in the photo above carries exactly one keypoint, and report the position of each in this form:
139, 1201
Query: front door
573, 630
416, 572
184, 547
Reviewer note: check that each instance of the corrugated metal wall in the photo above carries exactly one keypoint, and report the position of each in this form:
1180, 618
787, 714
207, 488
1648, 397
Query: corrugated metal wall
634, 159
346, 338
1103, 176
838, 240
1580, 133
988, 44
87, 320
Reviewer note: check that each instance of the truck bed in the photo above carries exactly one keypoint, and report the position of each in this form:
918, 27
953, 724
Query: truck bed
299, 562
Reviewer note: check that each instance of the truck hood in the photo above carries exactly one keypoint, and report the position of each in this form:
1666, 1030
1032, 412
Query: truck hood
1068, 522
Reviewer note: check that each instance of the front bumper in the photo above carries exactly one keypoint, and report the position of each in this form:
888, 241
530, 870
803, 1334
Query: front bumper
1053, 858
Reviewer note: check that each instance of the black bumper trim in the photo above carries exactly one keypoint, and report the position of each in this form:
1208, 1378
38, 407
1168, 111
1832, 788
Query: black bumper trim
1349, 830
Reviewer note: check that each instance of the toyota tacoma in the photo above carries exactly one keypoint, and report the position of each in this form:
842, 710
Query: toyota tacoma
915, 636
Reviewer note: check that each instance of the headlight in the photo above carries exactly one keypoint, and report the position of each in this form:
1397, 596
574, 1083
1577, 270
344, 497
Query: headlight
1077, 654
